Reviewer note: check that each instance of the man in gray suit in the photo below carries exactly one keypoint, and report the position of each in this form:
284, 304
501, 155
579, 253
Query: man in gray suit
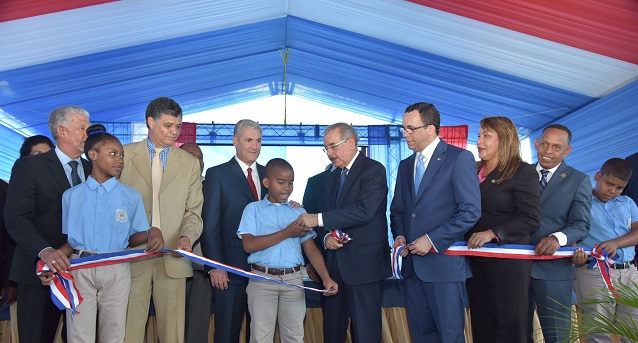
565, 212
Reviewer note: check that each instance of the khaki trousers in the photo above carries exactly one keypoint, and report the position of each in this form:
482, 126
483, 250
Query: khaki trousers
270, 304
169, 298
589, 284
104, 289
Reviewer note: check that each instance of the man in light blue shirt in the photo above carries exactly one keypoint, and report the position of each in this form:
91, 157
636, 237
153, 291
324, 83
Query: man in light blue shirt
614, 227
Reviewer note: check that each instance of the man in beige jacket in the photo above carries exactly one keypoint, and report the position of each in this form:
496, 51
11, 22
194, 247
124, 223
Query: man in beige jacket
177, 208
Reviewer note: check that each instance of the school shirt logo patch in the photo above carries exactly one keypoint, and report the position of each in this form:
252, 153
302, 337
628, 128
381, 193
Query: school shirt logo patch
121, 215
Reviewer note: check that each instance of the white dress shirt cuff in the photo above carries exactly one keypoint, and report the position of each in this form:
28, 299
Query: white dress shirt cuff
320, 219
433, 246
562, 238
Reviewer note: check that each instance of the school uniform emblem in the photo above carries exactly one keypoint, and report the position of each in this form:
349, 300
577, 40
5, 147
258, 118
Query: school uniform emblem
121, 215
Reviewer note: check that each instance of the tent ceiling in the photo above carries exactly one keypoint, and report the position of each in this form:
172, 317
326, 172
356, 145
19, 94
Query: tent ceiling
369, 56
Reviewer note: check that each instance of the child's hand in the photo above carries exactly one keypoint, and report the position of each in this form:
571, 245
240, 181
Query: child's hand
610, 247
580, 257
46, 278
295, 229
155, 241
331, 286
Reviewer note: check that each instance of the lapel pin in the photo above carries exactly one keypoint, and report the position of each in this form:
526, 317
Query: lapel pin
563, 175
493, 181
438, 158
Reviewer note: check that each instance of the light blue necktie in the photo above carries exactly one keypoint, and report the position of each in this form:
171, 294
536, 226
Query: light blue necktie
543, 181
418, 173
342, 180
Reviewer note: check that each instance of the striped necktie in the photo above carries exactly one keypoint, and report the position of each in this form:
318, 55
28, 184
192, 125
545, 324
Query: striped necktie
543, 181
342, 180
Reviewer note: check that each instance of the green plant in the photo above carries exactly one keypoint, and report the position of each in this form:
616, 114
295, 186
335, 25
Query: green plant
611, 320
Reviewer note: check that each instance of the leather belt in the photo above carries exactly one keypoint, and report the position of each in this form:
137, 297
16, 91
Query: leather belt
622, 265
84, 253
275, 271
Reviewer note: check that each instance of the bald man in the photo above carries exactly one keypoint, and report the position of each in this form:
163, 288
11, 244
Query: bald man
198, 288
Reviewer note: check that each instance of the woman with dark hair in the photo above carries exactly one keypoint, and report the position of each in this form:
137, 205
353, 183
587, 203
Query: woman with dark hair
36, 145
510, 199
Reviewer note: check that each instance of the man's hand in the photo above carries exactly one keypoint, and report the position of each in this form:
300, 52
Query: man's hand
479, 238
155, 241
309, 220
610, 247
296, 229
400, 241
332, 243
8, 295
219, 279
294, 204
547, 246
331, 286
421, 246
55, 259
183, 243
579, 257
46, 278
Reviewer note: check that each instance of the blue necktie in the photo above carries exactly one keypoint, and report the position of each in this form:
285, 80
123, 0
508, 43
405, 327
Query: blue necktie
418, 173
543, 181
342, 180
75, 177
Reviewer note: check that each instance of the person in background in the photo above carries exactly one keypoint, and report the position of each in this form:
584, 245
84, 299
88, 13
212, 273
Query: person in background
198, 288
510, 211
632, 186
436, 201
228, 188
614, 227
121, 219
169, 180
35, 145
272, 234
34, 218
565, 213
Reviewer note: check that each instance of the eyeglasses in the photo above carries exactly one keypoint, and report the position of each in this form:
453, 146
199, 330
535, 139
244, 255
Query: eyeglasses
333, 146
410, 130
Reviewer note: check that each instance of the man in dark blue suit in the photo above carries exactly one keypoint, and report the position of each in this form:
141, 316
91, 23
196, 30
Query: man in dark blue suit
355, 201
436, 201
227, 191
632, 186
565, 213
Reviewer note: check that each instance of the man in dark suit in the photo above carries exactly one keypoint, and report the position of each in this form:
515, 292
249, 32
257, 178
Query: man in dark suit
228, 188
565, 212
436, 201
34, 218
355, 200
7, 248
632, 186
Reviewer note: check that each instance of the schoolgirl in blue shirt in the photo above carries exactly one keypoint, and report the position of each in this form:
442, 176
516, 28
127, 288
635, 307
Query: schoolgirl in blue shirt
102, 215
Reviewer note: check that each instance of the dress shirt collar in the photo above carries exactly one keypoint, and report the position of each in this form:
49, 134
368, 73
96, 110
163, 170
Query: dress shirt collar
244, 166
349, 166
429, 150
551, 171
64, 159
108, 184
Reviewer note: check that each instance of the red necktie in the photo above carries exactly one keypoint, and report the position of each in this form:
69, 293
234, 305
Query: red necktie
251, 183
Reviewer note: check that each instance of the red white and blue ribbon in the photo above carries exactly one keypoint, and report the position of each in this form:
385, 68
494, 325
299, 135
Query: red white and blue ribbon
602, 261
66, 296
513, 251
340, 236
397, 261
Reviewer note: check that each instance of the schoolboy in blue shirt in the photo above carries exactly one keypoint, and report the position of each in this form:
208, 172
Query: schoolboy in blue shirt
614, 226
271, 233
102, 215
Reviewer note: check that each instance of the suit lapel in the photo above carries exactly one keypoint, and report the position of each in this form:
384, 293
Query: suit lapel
173, 165
262, 173
438, 157
353, 174
556, 179
142, 162
57, 170
236, 171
